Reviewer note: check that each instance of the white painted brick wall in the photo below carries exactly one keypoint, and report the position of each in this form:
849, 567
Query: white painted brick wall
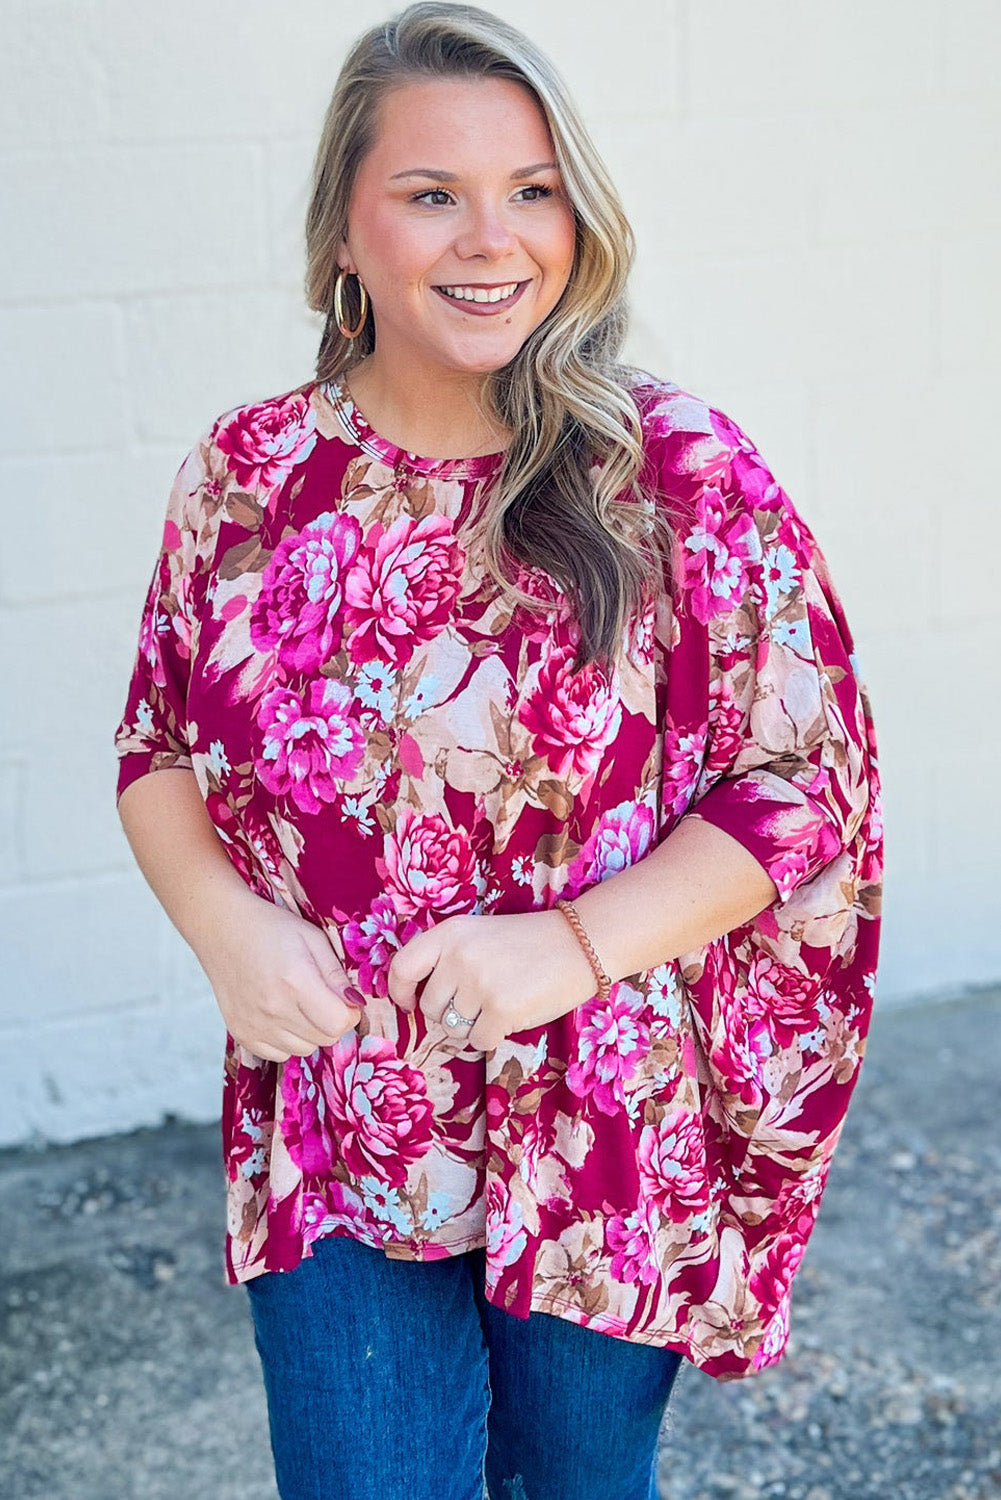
815, 195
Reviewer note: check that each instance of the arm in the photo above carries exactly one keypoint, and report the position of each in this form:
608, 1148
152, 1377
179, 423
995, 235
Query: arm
164, 815
694, 886
181, 856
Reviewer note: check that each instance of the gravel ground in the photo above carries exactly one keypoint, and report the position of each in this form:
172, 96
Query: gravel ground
127, 1367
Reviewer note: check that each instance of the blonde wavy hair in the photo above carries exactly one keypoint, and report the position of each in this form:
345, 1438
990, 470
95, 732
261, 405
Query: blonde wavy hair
568, 497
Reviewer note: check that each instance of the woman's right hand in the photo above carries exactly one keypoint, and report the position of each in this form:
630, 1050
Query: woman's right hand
277, 981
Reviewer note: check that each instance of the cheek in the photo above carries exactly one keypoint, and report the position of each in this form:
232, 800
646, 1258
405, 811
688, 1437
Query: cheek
563, 242
398, 254
560, 248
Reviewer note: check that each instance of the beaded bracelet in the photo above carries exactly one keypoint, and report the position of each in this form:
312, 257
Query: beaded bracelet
573, 917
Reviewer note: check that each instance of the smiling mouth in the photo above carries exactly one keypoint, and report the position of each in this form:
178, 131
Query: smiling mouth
482, 299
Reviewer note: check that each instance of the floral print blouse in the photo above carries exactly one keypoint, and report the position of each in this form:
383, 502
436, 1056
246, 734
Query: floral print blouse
381, 743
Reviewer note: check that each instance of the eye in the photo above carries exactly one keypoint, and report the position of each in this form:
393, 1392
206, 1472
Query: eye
430, 193
537, 187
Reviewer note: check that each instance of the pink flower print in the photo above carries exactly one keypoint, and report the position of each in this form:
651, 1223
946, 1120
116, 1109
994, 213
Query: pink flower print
776, 1336
335, 1208
572, 716
539, 622
429, 866
612, 1040
378, 1108
181, 618
264, 442
297, 610
371, 940
310, 745
304, 1123
748, 471
506, 1236
535, 1147
771, 1282
726, 732
622, 838
785, 997
793, 533
754, 480
672, 1163
401, 590
155, 623
800, 1198
251, 842
790, 870
807, 837
873, 828
739, 1058
640, 636
164, 621
717, 552
684, 753
743, 1045
632, 1239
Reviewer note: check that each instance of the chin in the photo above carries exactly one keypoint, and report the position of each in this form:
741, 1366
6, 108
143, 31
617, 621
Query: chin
485, 363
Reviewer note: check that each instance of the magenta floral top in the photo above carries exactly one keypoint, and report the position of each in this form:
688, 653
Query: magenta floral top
381, 743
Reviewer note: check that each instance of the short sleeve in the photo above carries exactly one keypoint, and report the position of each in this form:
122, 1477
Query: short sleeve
789, 770
152, 732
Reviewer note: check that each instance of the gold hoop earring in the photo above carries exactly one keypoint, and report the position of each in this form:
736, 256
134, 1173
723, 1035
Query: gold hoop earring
349, 333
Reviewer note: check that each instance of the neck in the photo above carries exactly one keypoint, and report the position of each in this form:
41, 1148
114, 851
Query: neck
439, 417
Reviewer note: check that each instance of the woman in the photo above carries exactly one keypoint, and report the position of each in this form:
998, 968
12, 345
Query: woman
525, 820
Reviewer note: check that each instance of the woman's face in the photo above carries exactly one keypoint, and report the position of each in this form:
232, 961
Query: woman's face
459, 199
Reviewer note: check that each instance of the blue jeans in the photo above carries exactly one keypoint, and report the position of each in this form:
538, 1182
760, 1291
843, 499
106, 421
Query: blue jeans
397, 1380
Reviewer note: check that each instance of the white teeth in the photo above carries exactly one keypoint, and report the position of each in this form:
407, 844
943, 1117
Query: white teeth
481, 294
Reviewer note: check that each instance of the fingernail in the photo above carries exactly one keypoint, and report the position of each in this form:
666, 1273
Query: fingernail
354, 997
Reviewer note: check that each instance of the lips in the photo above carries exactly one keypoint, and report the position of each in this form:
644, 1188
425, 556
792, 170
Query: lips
481, 309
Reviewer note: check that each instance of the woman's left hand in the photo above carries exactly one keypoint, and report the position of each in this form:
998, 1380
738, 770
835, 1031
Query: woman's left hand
506, 973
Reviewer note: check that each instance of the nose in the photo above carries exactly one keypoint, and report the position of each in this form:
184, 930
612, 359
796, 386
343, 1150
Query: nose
485, 232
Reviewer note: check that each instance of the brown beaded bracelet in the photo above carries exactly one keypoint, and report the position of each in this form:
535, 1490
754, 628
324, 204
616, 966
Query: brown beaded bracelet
573, 917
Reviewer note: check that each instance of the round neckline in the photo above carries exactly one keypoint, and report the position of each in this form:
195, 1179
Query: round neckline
362, 433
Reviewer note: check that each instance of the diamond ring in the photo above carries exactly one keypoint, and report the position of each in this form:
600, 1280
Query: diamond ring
452, 1017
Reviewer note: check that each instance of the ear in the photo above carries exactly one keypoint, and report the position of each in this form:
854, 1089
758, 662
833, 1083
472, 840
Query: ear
344, 258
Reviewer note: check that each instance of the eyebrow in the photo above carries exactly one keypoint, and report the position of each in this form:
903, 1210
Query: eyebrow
438, 176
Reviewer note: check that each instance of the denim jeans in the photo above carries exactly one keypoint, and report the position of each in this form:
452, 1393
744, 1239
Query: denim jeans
397, 1380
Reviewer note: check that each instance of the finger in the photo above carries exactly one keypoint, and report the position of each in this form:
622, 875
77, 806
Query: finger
477, 1038
439, 988
410, 967
329, 1003
328, 1015
280, 1047
461, 1031
304, 1046
412, 995
267, 1050
270, 1054
300, 1044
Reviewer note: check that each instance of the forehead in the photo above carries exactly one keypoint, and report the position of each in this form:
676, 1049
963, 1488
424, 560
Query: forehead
481, 118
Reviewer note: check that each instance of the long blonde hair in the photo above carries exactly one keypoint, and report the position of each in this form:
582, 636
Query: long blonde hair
568, 498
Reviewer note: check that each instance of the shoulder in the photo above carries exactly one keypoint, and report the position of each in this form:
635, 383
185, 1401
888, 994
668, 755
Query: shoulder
667, 409
699, 462
733, 521
261, 440
237, 466
250, 449
689, 443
